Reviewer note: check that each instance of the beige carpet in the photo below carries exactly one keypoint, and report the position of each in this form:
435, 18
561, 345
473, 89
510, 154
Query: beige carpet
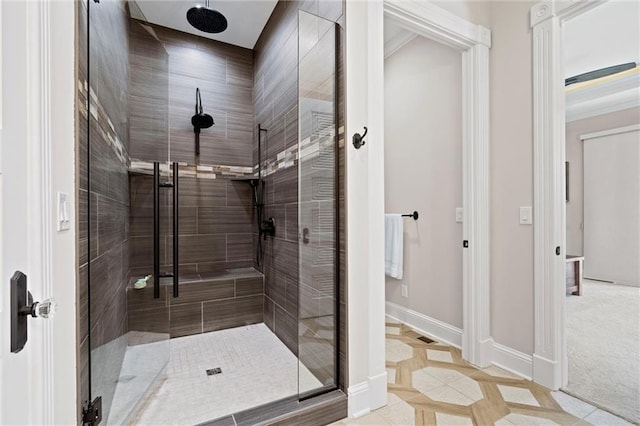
603, 343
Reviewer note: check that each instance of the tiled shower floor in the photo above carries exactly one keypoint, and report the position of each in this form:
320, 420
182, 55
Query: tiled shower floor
257, 368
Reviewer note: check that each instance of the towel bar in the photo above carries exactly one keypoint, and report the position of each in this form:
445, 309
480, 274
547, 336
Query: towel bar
414, 215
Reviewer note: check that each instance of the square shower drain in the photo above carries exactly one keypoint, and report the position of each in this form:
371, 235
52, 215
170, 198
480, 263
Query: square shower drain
426, 339
212, 371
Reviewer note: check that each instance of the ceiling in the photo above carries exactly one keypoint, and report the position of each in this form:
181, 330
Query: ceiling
607, 35
246, 18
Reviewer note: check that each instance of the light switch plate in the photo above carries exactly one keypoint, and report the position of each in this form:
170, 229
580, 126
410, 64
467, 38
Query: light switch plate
459, 214
526, 215
405, 290
64, 218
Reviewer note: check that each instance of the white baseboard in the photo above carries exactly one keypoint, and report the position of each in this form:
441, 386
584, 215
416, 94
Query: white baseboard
428, 326
546, 372
378, 391
367, 396
502, 356
358, 399
512, 360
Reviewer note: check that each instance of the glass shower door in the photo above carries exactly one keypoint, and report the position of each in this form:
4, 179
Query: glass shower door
317, 205
126, 90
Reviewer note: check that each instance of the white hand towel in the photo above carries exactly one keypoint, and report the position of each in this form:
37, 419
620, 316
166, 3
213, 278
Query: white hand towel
393, 245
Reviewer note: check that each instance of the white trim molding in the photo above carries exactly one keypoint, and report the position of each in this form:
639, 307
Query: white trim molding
430, 327
473, 41
549, 357
366, 396
610, 132
358, 397
502, 356
429, 20
604, 105
512, 360
365, 183
477, 341
603, 96
397, 42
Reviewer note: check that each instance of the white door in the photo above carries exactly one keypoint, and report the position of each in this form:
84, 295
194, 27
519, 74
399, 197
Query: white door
37, 385
16, 406
612, 205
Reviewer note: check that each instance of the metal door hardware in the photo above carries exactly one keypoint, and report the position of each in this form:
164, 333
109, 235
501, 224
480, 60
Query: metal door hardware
358, 139
22, 307
157, 185
305, 235
92, 412
465, 244
268, 228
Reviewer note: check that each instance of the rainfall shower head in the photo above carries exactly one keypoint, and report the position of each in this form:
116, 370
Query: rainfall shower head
206, 19
200, 120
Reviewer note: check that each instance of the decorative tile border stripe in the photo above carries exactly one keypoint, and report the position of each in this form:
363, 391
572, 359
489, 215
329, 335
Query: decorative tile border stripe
105, 125
201, 171
285, 159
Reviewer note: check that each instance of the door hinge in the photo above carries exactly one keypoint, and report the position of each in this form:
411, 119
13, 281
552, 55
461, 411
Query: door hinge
92, 412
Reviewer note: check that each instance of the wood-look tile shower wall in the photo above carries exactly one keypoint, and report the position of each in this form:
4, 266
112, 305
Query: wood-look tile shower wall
275, 96
108, 191
216, 215
224, 74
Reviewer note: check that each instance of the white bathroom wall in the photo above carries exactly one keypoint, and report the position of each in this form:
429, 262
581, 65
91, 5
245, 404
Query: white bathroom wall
423, 172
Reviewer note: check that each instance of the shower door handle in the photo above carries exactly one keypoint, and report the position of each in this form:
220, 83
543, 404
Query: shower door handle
305, 236
156, 230
176, 216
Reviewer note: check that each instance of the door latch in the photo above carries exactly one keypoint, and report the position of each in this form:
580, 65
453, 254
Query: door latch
22, 307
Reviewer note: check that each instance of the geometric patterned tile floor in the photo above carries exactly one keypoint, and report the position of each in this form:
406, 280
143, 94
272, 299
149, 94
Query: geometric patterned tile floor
430, 384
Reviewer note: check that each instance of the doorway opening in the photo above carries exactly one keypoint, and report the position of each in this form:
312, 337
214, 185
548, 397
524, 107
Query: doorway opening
602, 208
209, 244
423, 173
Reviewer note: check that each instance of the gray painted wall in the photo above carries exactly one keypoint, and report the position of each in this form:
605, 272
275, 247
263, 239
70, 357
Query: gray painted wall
423, 172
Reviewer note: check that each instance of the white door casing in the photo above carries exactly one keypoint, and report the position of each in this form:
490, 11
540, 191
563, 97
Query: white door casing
38, 384
473, 42
365, 185
549, 357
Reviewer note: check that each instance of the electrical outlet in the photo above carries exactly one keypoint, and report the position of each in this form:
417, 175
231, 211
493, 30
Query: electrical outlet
405, 290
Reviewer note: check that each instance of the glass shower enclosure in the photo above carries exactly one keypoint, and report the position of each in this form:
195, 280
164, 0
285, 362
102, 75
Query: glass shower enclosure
170, 238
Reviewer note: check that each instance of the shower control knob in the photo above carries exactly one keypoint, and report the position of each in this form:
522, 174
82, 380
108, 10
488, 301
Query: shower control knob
45, 309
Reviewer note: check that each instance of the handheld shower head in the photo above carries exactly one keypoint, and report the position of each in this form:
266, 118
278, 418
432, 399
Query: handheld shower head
200, 120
